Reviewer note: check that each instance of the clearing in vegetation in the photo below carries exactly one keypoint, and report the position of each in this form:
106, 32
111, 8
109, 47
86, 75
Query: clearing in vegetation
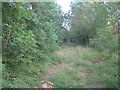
82, 67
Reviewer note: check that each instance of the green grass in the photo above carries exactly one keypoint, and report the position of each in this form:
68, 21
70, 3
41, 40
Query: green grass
104, 74
69, 78
22, 76
82, 63
0, 69
26, 76
79, 70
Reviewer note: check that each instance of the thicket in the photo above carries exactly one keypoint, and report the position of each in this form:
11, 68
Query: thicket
30, 32
95, 24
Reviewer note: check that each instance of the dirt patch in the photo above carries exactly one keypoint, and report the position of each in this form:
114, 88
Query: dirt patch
96, 62
57, 68
85, 73
65, 52
54, 70
83, 67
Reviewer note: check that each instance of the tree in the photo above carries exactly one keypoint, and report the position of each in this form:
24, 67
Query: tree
88, 18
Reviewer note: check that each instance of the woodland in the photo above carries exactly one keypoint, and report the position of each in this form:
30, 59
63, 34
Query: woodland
43, 47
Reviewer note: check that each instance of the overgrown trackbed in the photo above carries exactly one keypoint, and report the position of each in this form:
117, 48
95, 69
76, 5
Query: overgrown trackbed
74, 60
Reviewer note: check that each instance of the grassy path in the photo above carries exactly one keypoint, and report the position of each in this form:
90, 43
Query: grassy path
57, 68
80, 68
70, 67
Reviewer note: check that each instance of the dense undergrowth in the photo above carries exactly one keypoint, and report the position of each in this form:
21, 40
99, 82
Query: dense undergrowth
30, 32
26, 76
34, 40
100, 68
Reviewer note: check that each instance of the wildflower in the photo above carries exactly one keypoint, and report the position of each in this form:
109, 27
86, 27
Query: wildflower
48, 85
42, 81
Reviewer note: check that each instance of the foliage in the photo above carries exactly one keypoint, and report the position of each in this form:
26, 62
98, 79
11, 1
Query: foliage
105, 39
30, 32
82, 15
88, 18
17, 41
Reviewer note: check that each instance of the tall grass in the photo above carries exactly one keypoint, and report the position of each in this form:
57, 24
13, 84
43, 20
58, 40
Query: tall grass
83, 67
101, 69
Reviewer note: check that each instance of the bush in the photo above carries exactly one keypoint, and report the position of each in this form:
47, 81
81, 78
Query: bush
105, 40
